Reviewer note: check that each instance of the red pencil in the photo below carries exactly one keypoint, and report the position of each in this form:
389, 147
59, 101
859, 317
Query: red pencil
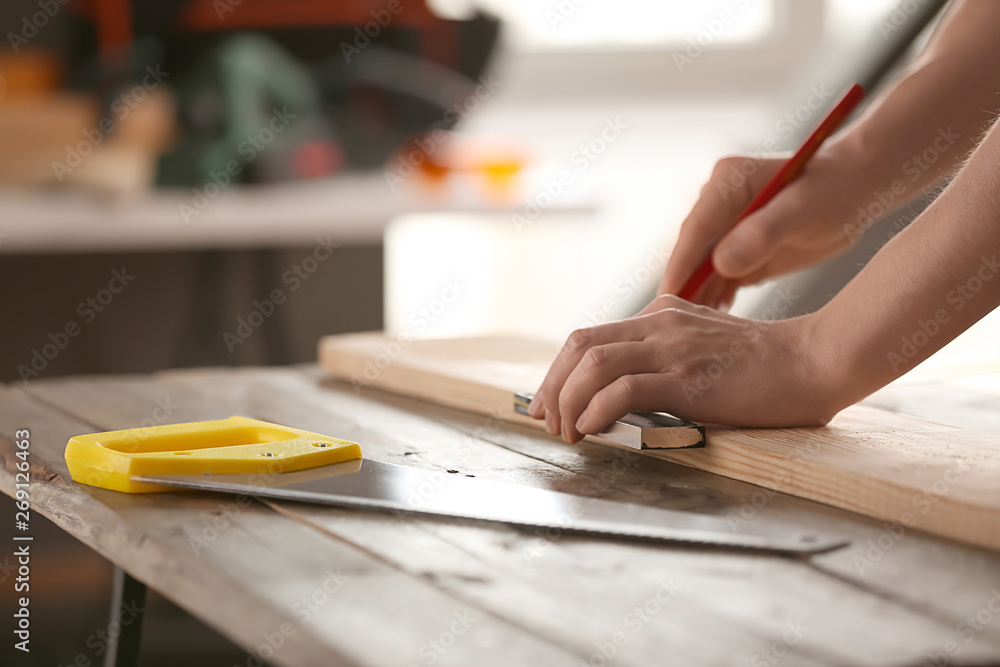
788, 173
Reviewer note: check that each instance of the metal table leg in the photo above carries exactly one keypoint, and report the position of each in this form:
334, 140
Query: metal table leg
128, 607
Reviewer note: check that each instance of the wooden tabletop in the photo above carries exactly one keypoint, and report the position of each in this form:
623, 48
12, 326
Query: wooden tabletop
308, 585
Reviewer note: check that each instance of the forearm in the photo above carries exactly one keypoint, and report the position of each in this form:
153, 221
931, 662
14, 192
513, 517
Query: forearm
917, 132
926, 286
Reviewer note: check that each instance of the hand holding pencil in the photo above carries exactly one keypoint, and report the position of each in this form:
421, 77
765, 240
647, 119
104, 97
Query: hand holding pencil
760, 218
772, 216
757, 219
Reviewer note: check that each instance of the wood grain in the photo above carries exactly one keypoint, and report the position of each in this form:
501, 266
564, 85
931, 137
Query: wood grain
744, 589
252, 569
557, 607
909, 472
451, 372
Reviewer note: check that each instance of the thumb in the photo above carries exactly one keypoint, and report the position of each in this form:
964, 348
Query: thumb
751, 243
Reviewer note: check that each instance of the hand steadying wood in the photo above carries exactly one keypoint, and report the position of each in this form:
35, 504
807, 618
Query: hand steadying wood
933, 281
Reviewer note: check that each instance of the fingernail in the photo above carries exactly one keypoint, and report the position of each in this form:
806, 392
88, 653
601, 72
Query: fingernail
580, 421
535, 408
550, 423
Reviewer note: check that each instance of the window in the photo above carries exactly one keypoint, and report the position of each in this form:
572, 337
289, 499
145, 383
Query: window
616, 24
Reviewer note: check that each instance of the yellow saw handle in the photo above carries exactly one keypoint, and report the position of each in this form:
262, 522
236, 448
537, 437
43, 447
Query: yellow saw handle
233, 446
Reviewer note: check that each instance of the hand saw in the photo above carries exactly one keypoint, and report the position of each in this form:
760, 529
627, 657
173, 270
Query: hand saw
246, 456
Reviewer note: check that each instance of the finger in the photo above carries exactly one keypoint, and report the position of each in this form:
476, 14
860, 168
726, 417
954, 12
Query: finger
711, 293
598, 368
791, 259
569, 356
647, 392
710, 217
757, 239
536, 406
726, 300
720, 203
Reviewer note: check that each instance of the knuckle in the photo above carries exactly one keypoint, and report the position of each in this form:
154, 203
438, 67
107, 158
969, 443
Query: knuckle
726, 164
796, 198
698, 231
668, 302
596, 358
667, 320
627, 386
579, 339
764, 233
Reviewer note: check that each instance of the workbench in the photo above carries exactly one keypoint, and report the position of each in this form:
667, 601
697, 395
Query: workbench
295, 584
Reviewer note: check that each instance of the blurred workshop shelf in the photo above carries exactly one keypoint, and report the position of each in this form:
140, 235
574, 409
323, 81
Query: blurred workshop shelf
354, 209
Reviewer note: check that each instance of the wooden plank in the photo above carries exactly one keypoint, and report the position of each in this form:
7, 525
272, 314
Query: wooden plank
399, 435
899, 469
240, 567
451, 372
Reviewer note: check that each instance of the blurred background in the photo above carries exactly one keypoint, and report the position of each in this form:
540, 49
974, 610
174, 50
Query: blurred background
220, 182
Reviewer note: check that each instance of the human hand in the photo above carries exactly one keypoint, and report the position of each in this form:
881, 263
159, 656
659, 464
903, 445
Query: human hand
809, 221
692, 361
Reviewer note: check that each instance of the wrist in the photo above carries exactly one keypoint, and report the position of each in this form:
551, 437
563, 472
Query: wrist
860, 159
867, 187
817, 365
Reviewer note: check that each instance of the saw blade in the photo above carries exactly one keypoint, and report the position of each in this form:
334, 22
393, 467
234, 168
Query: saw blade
374, 485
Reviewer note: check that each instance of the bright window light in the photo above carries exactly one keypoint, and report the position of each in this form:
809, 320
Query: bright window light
587, 24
